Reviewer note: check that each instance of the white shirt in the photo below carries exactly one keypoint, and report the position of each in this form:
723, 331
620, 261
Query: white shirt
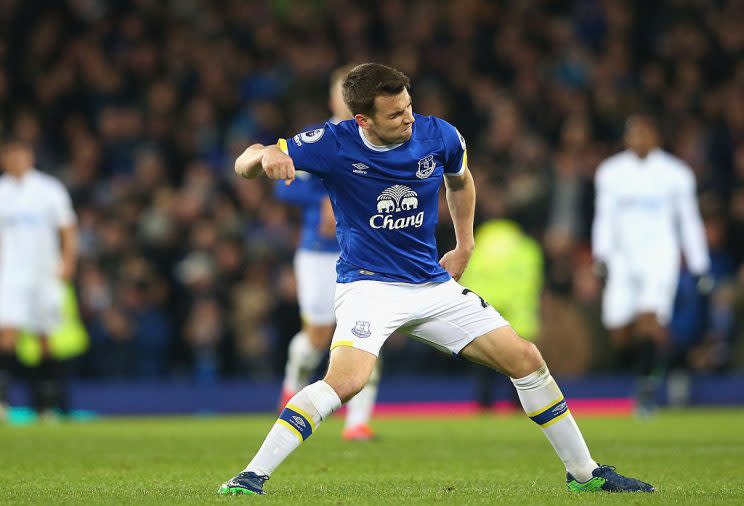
646, 211
33, 209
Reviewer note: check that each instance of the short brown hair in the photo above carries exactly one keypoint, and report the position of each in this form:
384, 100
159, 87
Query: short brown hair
369, 80
15, 144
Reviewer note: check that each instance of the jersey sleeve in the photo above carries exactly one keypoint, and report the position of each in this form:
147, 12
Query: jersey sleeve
604, 215
694, 243
64, 215
455, 150
311, 150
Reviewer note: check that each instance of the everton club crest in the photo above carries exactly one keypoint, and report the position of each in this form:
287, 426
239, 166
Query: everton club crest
425, 167
361, 329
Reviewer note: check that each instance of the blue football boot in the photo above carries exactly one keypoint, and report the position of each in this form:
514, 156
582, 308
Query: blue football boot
243, 483
604, 478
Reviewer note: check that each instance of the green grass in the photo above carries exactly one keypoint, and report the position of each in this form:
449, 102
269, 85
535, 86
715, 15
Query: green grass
692, 457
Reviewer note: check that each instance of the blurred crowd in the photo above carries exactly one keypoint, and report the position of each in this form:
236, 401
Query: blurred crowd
141, 107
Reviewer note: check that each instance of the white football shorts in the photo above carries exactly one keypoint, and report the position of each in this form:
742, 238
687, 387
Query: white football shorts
316, 285
445, 315
630, 292
35, 307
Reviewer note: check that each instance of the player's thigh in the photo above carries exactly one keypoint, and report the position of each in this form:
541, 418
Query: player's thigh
316, 286
619, 299
16, 312
657, 292
502, 349
349, 369
368, 312
451, 317
49, 300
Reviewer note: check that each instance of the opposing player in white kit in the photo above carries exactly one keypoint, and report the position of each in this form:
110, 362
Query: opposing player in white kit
315, 270
389, 277
646, 214
38, 251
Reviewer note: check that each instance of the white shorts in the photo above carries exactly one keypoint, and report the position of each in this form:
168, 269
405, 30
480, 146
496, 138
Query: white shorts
629, 293
316, 285
35, 307
444, 315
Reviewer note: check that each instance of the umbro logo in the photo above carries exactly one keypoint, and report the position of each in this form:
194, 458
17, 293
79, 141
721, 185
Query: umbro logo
359, 168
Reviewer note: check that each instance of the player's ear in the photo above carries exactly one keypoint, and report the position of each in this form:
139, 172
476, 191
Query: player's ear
361, 120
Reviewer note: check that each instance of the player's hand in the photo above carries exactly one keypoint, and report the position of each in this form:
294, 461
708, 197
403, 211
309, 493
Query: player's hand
456, 261
277, 165
600, 270
704, 284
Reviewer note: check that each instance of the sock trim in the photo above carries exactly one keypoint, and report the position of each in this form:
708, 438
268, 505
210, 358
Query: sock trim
543, 410
551, 414
296, 421
304, 413
556, 419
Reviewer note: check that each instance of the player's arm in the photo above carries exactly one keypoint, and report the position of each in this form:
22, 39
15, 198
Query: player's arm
309, 151
604, 217
694, 244
271, 160
460, 191
66, 224
68, 237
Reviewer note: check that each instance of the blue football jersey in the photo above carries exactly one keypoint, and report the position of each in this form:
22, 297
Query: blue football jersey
385, 198
307, 192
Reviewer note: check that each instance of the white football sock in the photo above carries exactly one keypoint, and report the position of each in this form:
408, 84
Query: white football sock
297, 422
360, 407
543, 401
302, 360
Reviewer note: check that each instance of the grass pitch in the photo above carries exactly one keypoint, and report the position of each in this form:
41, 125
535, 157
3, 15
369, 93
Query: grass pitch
692, 457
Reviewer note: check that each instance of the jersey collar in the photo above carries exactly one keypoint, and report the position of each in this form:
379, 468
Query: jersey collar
372, 146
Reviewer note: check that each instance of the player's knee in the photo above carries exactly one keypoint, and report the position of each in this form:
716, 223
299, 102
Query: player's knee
529, 360
347, 386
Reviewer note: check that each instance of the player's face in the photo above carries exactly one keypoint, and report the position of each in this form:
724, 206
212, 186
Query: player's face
16, 159
640, 136
392, 120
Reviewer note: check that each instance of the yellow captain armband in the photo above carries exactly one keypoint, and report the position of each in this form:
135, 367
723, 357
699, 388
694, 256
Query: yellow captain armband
282, 144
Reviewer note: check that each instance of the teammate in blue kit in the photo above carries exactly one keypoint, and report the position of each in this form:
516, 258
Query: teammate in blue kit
383, 171
315, 270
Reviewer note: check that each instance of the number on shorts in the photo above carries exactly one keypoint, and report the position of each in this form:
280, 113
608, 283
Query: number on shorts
466, 291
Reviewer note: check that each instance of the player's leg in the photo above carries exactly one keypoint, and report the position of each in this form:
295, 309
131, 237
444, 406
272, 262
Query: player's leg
8, 339
315, 272
649, 334
348, 371
15, 302
623, 344
306, 350
354, 349
48, 385
544, 403
359, 409
655, 302
455, 315
539, 394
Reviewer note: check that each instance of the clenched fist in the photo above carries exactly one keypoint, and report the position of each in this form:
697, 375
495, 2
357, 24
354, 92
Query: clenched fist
278, 165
